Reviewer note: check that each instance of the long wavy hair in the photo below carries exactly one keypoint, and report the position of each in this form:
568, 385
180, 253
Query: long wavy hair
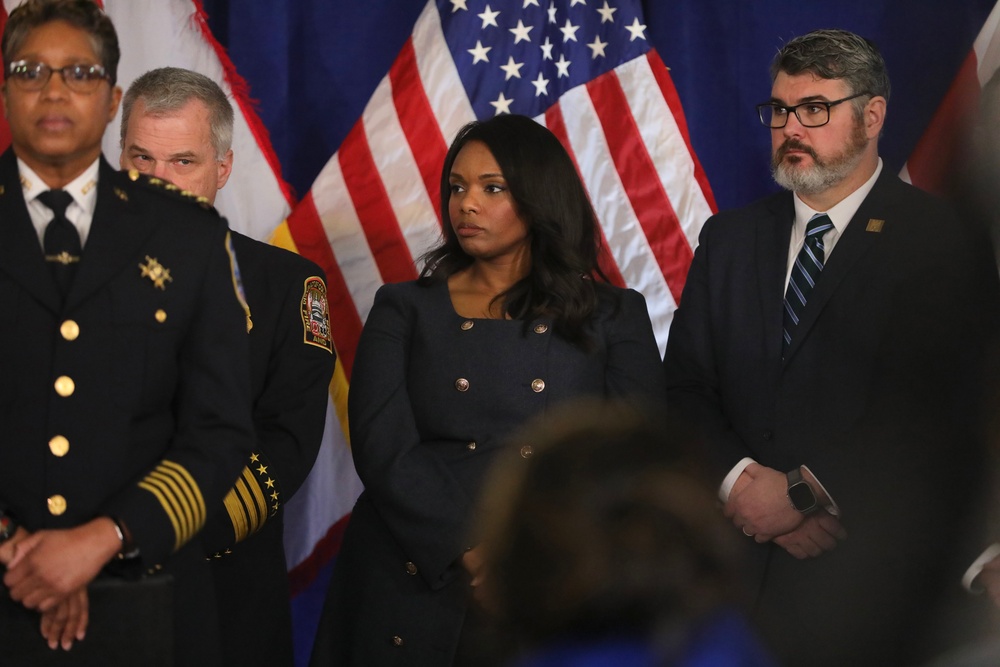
549, 197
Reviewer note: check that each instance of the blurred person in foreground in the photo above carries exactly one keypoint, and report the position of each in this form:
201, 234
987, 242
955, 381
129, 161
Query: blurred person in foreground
509, 317
124, 405
177, 126
829, 345
606, 548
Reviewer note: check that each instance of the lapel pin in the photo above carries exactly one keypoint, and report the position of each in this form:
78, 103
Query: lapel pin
159, 274
121, 194
1, 191
874, 225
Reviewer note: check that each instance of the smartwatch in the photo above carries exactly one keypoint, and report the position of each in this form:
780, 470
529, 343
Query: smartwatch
800, 493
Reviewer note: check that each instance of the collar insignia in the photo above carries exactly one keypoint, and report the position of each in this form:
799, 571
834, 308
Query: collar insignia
874, 225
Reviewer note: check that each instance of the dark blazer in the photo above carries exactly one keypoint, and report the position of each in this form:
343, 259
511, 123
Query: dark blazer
291, 363
156, 415
433, 395
876, 394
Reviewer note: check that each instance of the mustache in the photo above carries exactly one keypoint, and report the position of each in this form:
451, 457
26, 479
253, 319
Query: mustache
793, 144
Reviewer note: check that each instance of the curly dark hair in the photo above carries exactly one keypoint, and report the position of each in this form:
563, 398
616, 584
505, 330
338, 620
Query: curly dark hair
82, 14
562, 225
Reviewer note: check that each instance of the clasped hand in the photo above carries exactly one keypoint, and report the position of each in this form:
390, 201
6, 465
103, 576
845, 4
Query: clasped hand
49, 570
759, 506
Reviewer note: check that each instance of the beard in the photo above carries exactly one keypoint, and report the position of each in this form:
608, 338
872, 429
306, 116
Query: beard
824, 173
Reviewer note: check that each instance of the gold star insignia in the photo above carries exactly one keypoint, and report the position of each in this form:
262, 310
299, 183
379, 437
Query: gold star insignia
159, 274
274, 496
254, 458
269, 483
262, 469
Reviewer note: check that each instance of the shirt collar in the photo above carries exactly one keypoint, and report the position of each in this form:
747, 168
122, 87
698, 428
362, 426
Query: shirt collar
83, 188
842, 212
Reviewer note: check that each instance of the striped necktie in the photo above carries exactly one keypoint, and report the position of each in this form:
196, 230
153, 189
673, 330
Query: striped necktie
61, 242
805, 273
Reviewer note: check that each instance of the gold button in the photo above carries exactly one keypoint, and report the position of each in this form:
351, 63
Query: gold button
59, 445
541, 328
160, 315
471, 446
70, 330
467, 324
537, 386
411, 568
397, 641
57, 505
526, 451
462, 384
65, 386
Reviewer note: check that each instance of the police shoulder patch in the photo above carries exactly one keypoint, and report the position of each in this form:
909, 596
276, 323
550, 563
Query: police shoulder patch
315, 309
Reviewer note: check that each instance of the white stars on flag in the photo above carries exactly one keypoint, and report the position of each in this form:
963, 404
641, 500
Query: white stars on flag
521, 32
512, 69
569, 31
547, 49
607, 13
577, 40
490, 18
502, 104
541, 85
479, 53
637, 29
597, 47
563, 66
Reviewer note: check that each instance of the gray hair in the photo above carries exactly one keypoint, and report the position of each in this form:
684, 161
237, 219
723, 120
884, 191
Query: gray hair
836, 54
168, 89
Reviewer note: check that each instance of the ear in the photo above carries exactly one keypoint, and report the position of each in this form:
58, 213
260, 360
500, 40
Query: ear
225, 168
874, 116
116, 98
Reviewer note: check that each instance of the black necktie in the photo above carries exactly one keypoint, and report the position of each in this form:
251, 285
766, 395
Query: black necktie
62, 242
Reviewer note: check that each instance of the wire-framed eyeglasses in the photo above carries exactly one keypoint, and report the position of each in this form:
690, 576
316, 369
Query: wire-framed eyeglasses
810, 114
32, 76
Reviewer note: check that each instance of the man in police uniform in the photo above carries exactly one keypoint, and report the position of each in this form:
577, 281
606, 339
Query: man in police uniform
124, 401
177, 126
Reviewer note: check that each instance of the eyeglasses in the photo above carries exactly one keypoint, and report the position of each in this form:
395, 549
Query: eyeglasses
32, 76
810, 114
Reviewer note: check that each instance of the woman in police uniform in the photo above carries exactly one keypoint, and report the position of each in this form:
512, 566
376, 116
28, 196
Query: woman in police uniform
510, 316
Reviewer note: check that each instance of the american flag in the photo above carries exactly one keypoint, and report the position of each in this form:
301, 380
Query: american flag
581, 67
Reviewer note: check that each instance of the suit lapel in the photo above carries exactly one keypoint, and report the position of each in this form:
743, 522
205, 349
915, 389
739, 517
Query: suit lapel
853, 245
773, 236
20, 251
116, 234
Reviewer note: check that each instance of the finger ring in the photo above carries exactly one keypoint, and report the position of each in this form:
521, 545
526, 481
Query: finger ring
744, 529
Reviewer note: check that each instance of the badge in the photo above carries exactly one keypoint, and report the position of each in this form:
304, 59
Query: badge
316, 314
159, 274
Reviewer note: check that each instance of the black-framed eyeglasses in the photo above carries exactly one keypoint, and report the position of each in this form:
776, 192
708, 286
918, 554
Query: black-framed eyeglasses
32, 76
810, 114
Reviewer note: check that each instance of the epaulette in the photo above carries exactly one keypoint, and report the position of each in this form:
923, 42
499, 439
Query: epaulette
170, 190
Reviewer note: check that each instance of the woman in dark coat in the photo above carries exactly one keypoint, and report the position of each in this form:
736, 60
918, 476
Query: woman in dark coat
510, 316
